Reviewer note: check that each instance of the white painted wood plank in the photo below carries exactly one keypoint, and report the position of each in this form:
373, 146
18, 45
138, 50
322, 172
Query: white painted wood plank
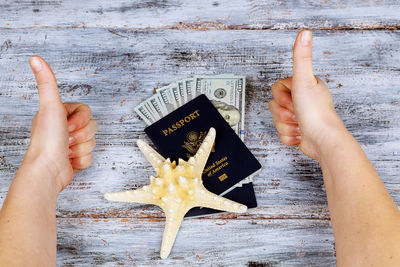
111, 242
205, 14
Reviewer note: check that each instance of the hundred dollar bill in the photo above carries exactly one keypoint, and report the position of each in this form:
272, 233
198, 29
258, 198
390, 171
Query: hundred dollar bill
143, 113
175, 94
228, 96
152, 110
199, 89
182, 91
161, 103
189, 88
167, 99
156, 105
198, 86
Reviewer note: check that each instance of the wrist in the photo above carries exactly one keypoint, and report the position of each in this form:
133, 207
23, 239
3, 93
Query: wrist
333, 134
38, 169
337, 139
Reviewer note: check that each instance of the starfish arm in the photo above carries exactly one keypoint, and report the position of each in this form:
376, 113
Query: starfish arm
203, 152
213, 201
138, 196
172, 225
152, 156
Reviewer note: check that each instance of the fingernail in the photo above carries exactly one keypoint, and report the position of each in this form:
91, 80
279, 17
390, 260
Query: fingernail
71, 127
298, 129
35, 63
71, 139
306, 37
293, 117
298, 137
69, 152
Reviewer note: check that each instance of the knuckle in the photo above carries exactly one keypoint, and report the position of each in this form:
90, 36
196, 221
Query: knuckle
274, 106
79, 163
44, 84
283, 139
92, 144
270, 105
88, 146
282, 128
288, 142
81, 136
84, 162
278, 126
83, 148
286, 116
285, 129
306, 58
87, 161
85, 134
89, 131
95, 125
89, 110
274, 121
80, 149
83, 108
283, 116
274, 87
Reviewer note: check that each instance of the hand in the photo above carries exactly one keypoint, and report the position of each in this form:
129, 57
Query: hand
302, 108
62, 134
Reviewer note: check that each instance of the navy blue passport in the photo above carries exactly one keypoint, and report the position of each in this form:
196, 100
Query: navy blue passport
179, 135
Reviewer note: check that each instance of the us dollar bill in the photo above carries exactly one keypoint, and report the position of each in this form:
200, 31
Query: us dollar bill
152, 111
175, 94
182, 91
167, 98
155, 104
143, 113
190, 92
227, 93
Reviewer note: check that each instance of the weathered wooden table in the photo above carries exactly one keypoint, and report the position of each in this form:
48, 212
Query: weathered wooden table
111, 54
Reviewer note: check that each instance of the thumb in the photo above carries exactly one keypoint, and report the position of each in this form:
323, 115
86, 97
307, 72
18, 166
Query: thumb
303, 75
46, 82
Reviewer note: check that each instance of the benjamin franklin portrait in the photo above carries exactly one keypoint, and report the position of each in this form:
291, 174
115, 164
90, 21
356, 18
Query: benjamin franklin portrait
230, 113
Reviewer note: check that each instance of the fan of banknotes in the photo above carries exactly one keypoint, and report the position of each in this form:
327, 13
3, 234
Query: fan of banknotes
225, 91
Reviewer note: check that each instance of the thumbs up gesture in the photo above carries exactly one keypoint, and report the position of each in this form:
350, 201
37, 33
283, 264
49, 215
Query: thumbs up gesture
302, 108
62, 134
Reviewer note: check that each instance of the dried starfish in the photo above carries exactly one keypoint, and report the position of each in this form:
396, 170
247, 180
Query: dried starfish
177, 189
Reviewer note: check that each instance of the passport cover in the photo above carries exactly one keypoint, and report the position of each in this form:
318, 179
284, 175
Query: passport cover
180, 133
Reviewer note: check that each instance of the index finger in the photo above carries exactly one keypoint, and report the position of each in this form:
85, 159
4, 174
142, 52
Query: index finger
281, 91
78, 114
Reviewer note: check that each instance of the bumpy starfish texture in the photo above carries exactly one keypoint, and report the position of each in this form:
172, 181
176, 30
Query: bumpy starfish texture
177, 189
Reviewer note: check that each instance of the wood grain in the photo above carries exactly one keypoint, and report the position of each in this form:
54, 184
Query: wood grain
202, 15
136, 242
112, 54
